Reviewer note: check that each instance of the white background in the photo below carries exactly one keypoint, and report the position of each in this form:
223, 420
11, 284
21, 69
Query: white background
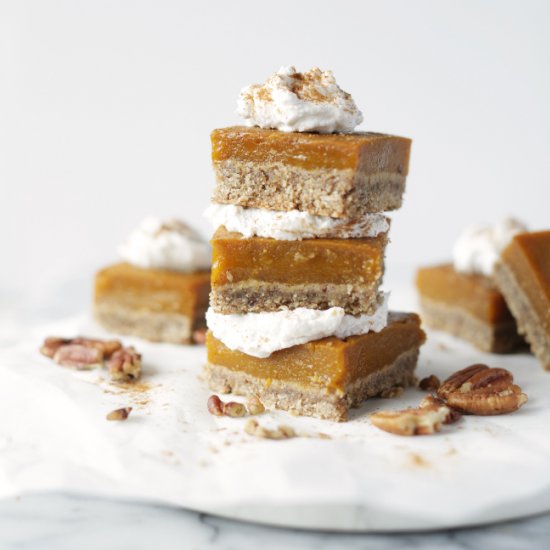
106, 109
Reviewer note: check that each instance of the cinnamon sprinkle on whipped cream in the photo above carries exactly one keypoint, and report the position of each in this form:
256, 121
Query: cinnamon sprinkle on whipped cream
292, 101
171, 245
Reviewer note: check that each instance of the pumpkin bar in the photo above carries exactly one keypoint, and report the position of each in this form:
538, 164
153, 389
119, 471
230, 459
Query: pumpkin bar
157, 305
468, 306
261, 274
523, 276
323, 378
336, 175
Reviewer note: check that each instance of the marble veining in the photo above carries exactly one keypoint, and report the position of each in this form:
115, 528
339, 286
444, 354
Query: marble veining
63, 522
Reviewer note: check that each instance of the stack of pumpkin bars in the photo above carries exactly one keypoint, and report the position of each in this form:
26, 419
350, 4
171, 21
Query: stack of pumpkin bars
297, 317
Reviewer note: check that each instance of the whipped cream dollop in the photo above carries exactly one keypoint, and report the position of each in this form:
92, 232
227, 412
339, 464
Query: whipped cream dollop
478, 248
293, 225
260, 334
299, 102
172, 245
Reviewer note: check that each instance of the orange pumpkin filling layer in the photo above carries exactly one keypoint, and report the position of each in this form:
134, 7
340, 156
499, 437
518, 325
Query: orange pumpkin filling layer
334, 261
368, 152
154, 290
528, 257
475, 293
329, 363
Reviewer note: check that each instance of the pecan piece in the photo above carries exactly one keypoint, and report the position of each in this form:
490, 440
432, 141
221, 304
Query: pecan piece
430, 402
253, 427
254, 405
411, 421
218, 408
52, 344
429, 383
234, 409
215, 405
199, 336
482, 390
78, 356
119, 414
124, 365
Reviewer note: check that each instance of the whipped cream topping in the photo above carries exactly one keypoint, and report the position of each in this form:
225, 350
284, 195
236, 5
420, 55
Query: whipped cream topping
299, 102
478, 248
260, 334
166, 245
293, 225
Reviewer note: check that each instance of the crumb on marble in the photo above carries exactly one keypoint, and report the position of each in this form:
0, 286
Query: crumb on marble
418, 460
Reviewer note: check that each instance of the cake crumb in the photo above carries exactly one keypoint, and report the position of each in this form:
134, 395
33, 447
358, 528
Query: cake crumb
119, 414
252, 427
418, 460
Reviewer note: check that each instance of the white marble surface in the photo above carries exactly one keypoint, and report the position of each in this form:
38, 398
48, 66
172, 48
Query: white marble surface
55, 521
48, 522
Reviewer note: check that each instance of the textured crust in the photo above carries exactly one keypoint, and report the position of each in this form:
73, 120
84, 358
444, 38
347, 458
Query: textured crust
526, 317
339, 193
257, 296
316, 402
174, 328
499, 338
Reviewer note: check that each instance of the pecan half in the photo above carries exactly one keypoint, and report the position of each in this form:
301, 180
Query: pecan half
482, 390
423, 421
119, 414
78, 356
124, 365
52, 344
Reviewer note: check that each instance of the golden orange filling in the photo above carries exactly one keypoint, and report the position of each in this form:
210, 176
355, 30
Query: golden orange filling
475, 293
153, 289
528, 257
329, 363
368, 152
311, 261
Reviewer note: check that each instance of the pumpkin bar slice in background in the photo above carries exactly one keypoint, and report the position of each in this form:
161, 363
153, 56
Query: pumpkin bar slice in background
160, 291
523, 276
468, 306
463, 299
